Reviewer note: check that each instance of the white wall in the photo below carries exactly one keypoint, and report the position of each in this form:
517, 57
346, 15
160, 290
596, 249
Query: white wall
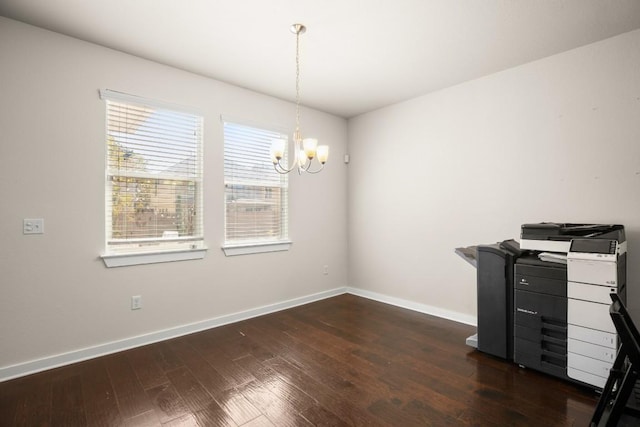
56, 296
554, 140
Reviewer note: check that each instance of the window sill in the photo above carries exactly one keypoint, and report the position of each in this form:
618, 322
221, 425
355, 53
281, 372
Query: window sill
256, 248
124, 260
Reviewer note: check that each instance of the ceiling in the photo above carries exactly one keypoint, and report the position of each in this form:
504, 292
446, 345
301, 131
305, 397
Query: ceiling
356, 56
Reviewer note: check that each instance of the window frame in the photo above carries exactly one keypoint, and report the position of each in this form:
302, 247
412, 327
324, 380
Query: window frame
247, 246
154, 249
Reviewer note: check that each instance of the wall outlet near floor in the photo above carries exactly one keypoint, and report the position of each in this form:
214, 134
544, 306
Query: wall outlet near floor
136, 302
325, 270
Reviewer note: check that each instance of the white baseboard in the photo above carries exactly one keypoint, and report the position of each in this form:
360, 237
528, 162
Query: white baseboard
31, 367
414, 306
34, 366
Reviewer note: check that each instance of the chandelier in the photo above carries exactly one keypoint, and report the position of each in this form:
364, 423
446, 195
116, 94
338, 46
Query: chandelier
305, 150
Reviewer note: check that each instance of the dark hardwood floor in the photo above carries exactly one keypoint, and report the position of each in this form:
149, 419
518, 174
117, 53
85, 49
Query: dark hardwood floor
341, 361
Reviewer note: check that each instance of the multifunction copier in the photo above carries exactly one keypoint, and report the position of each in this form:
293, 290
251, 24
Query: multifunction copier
561, 299
544, 302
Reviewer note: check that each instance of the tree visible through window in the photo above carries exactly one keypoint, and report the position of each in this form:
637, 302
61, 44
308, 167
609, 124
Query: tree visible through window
256, 196
153, 176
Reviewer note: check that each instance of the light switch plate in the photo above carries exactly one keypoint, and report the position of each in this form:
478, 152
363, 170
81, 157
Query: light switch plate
136, 302
33, 226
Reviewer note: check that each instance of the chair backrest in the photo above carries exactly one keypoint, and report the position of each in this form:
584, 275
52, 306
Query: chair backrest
629, 336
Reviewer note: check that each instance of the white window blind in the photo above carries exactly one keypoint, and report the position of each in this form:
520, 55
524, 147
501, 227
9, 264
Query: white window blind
153, 176
256, 196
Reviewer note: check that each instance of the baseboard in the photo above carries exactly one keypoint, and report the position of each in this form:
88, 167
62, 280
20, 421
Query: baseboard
34, 366
414, 306
31, 367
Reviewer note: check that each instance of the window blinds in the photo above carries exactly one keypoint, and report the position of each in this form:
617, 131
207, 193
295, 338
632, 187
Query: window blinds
256, 196
153, 175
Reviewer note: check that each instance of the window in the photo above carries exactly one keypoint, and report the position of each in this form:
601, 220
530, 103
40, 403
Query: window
153, 189
256, 196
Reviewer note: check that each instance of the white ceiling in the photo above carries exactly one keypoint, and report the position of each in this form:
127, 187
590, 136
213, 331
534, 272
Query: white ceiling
356, 56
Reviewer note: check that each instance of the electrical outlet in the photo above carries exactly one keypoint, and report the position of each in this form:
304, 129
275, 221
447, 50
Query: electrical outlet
33, 226
136, 302
325, 270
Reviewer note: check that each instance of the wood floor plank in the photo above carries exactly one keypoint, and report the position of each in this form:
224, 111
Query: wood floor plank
324, 369
230, 370
342, 361
34, 405
237, 407
361, 377
389, 398
192, 393
206, 373
345, 410
238, 345
101, 406
145, 364
214, 415
9, 401
188, 420
67, 406
213, 352
261, 421
393, 414
276, 384
270, 405
318, 415
167, 402
435, 383
131, 397
165, 357
415, 349
145, 419
350, 384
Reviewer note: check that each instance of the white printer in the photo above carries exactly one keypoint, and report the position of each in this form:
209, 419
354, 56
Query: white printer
596, 267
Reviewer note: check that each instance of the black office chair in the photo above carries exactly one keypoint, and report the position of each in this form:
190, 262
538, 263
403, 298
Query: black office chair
614, 406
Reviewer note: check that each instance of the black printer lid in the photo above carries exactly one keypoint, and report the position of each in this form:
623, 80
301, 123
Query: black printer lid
568, 231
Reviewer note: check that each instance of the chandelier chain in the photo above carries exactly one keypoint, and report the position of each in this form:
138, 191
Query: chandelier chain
297, 133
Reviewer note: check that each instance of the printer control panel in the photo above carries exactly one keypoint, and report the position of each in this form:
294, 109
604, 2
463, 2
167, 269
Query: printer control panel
596, 249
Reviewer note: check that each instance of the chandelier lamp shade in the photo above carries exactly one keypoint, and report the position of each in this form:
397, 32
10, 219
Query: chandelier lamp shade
305, 149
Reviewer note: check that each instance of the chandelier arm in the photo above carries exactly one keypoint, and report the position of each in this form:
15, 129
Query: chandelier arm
279, 170
308, 170
286, 169
283, 170
304, 168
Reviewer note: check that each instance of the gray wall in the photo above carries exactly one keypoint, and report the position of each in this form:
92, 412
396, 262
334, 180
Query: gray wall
553, 140
56, 296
